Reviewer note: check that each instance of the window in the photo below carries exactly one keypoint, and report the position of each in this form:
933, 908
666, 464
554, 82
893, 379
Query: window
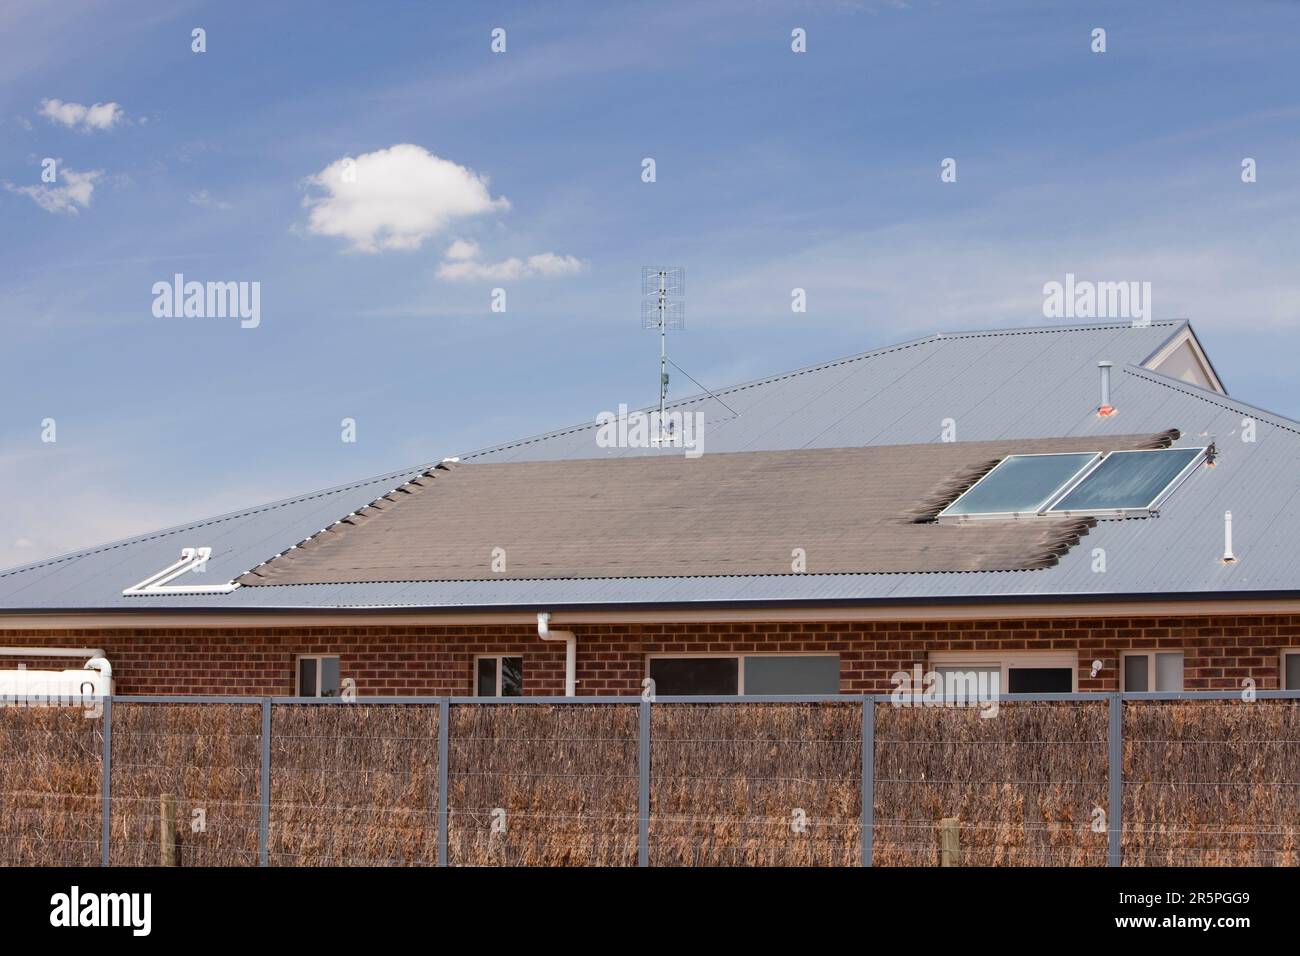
1140, 666
498, 677
1019, 484
749, 675
1291, 670
1117, 483
318, 676
1126, 481
1029, 672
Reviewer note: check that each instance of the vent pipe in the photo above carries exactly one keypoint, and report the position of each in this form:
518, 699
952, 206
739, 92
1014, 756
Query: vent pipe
1105, 409
1228, 556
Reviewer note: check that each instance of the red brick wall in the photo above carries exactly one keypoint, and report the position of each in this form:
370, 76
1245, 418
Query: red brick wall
1220, 651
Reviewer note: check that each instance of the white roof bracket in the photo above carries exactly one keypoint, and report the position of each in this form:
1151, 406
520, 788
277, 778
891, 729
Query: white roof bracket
192, 559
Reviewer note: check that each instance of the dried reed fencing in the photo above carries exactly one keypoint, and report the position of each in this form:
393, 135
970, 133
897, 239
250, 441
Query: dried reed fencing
623, 782
1024, 786
1212, 783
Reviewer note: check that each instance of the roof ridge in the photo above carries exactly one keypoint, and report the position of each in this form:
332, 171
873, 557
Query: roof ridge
822, 366
1212, 397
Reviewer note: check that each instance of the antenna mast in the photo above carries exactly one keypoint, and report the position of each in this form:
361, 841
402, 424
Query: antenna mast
662, 309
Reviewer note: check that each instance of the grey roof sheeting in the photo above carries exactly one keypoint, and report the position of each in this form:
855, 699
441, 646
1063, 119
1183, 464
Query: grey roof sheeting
1021, 383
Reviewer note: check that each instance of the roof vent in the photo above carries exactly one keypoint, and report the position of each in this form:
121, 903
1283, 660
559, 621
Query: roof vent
1228, 556
1105, 409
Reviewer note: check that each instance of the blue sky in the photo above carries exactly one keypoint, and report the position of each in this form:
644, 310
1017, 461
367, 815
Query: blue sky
775, 170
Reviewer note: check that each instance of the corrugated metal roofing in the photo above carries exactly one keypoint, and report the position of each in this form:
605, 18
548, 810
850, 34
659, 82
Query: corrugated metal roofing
1022, 383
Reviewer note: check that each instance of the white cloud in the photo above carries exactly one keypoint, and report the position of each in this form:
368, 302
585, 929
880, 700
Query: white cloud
75, 192
395, 198
101, 116
463, 249
463, 264
204, 198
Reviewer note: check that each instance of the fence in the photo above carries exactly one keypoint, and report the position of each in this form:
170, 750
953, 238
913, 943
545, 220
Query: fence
1057, 779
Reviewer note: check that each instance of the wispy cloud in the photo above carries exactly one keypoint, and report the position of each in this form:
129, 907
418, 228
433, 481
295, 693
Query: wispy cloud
69, 198
464, 263
205, 200
85, 119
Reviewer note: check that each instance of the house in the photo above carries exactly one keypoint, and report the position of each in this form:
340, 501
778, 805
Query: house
1046, 506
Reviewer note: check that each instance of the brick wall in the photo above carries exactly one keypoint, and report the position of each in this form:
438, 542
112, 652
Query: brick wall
1219, 651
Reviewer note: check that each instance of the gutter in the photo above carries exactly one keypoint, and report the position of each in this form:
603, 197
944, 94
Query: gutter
1167, 604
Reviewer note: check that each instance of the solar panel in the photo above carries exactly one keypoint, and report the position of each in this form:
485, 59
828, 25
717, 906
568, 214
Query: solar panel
1020, 484
1129, 481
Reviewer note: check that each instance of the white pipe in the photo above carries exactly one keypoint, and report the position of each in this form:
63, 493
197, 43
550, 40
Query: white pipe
570, 651
92, 652
102, 665
1228, 556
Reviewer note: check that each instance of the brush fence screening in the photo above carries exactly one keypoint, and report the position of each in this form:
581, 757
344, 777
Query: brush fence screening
1205, 782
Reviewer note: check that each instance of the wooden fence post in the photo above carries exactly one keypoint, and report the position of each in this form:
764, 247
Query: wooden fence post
949, 842
167, 829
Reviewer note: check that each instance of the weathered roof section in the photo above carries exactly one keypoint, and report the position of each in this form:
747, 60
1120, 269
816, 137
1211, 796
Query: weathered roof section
844, 510
1021, 383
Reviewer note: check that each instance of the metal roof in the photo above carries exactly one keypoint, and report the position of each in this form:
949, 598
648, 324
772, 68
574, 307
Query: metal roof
1011, 384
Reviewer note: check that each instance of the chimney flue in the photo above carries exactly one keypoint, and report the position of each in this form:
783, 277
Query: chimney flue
1105, 409
1228, 556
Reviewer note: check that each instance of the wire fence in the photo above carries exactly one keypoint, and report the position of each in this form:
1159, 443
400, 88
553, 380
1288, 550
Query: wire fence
1066, 780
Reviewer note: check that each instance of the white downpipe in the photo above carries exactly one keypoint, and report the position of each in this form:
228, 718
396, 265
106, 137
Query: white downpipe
570, 651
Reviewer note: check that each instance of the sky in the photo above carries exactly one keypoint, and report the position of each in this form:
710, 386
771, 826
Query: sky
378, 169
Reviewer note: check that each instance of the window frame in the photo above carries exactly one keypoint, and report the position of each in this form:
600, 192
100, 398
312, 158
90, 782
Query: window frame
1006, 660
1079, 477
1047, 502
1150, 655
500, 674
297, 672
1145, 511
739, 657
1282, 655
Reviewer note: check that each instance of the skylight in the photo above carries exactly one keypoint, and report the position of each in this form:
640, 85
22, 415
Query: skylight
1128, 481
1019, 484
1113, 484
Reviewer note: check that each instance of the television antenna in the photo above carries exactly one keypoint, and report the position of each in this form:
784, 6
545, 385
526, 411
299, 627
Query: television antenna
662, 308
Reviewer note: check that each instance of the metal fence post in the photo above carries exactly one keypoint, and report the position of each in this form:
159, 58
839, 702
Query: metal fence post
444, 730
643, 788
264, 827
1115, 776
868, 781
106, 783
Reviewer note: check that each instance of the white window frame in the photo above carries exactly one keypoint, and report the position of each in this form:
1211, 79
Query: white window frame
1150, 655
1043, 505
1006, 660
1281, 665
500, 670
740, 657
297, 672
1062, 491
1145, 511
